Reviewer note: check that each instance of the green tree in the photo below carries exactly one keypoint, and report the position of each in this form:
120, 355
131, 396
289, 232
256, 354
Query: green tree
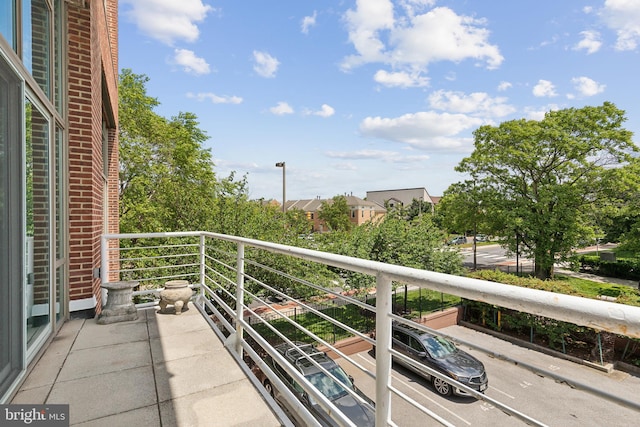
542, 179
621, 218
166, 178
460, 209
335, 213
418, 207
394, 240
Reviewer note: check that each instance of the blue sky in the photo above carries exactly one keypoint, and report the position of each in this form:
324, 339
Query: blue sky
368, 95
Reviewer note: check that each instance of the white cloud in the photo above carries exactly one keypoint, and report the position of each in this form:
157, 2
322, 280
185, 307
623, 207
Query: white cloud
168, 20
361, 154
343, 166
551, 41
190, 62
216, 99
281, 109
623, 16
544, 88
504, 86
384, 155
265, 64
400, 79
539, 112
441, 35
424, 130
364, 25
586, 86
590, 42
416, 40
413, 7
477, 103
324, 111
308, 22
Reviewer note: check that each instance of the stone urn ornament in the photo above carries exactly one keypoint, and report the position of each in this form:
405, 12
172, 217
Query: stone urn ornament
176, 293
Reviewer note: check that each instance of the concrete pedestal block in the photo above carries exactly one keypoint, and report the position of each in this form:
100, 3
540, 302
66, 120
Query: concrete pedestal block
119, 306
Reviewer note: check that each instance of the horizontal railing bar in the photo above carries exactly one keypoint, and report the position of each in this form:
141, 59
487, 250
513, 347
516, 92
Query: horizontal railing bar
162, 267
159, 257
600, 315
164, 277
137, 248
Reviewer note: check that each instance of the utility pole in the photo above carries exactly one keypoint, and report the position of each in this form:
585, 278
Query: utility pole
284, 185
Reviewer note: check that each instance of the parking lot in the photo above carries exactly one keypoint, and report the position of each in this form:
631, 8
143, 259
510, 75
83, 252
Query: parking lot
528, 381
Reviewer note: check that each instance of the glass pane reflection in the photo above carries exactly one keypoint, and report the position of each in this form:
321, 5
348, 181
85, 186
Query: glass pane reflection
37, 231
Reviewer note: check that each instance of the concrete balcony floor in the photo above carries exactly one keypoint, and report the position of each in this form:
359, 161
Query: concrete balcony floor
159, 370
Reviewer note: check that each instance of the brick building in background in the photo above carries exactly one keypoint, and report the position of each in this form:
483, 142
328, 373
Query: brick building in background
58, 169
360, 211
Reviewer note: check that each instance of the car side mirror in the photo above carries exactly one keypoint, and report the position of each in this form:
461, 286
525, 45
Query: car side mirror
422, 354
352, 380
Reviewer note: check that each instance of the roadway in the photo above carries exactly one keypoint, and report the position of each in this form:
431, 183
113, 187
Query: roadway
495, 256
533, 383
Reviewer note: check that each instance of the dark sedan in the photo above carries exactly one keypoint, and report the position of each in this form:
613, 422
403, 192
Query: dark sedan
441, 355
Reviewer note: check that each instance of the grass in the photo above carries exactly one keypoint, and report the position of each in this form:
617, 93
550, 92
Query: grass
421, 301
351, 315
418, 302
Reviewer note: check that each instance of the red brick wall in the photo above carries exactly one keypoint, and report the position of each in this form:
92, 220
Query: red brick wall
92, 48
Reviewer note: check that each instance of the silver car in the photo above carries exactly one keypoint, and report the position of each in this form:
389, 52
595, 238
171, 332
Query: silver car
361, 414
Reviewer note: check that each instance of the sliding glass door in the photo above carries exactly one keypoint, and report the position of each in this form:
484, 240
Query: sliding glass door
12, 243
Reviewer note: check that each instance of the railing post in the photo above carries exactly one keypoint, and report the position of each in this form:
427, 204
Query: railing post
239, 298
203, 260
383, 344
104, 266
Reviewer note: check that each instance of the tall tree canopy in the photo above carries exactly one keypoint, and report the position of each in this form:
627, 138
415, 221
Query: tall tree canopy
543, 180
166, 177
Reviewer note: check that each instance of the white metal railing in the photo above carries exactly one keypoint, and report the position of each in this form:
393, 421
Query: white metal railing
191, 255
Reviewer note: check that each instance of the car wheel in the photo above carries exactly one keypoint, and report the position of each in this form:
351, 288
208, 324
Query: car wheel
442, 387
268, 387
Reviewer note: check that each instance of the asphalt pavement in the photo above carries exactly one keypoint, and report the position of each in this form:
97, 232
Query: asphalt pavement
605, 381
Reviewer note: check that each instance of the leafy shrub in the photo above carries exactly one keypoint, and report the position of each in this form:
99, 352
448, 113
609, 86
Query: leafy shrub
622, 268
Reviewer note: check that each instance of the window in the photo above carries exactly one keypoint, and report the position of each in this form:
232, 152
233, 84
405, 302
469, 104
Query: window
11, 239
36, 49
60, 222
37, 233
401, 336
7, 22
415, 344
58, 52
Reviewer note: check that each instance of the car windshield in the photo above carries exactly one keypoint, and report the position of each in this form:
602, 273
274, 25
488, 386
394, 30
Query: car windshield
438, 346
329, 387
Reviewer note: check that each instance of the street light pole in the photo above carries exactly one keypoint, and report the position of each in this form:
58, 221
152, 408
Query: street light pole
284, 185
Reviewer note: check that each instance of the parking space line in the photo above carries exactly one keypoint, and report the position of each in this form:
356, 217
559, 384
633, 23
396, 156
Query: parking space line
395, 377
502, 392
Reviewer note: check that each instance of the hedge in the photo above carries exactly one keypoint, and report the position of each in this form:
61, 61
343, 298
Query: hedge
622, 269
